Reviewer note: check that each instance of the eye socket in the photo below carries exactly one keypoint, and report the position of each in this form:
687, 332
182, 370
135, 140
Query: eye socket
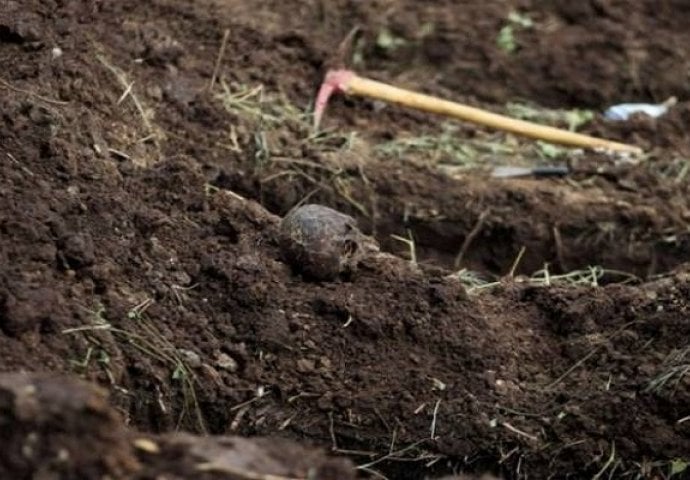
350, 247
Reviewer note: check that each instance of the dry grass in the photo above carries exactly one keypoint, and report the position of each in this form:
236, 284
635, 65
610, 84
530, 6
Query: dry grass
284, 145
142, 130
675, 369
455, 154
570, 119
4, 83
143, 335
675, 169
146, 114
589, 277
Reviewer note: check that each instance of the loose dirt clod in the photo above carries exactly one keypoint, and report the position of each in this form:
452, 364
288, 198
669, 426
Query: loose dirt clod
321, 242
52, 417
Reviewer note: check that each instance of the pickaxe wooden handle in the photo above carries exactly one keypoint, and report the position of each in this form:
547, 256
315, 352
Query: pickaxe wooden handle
348, 82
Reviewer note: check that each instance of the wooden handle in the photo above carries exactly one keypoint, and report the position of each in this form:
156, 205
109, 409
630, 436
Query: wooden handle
365, 87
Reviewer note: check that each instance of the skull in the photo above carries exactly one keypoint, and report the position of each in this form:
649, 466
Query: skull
322, 243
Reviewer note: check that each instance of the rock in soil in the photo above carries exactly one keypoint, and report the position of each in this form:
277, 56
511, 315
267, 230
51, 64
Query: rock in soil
47, 420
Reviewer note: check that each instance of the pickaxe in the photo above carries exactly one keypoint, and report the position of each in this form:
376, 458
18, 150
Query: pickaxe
348, 82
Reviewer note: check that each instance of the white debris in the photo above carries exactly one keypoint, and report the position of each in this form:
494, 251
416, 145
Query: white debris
624, 111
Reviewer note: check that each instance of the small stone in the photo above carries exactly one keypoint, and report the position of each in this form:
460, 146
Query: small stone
506, 387
501, 387
322, 243
210, 373
79, 250
155, 92
304, 365
147, 445
63, 455
325, 362
180, 278
190, 358
226, 362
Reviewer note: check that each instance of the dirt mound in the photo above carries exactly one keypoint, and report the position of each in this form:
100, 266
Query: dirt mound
523, 327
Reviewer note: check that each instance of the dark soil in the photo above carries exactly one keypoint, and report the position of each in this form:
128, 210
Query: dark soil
49, 420
140, 248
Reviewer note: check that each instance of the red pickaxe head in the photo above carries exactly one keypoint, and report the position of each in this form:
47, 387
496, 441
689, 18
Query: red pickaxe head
335, 81
337, 75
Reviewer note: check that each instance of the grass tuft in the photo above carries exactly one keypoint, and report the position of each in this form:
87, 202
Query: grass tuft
454, 153
283, 140
571, 119
145, 337
271, 113
588, 277
675, 368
